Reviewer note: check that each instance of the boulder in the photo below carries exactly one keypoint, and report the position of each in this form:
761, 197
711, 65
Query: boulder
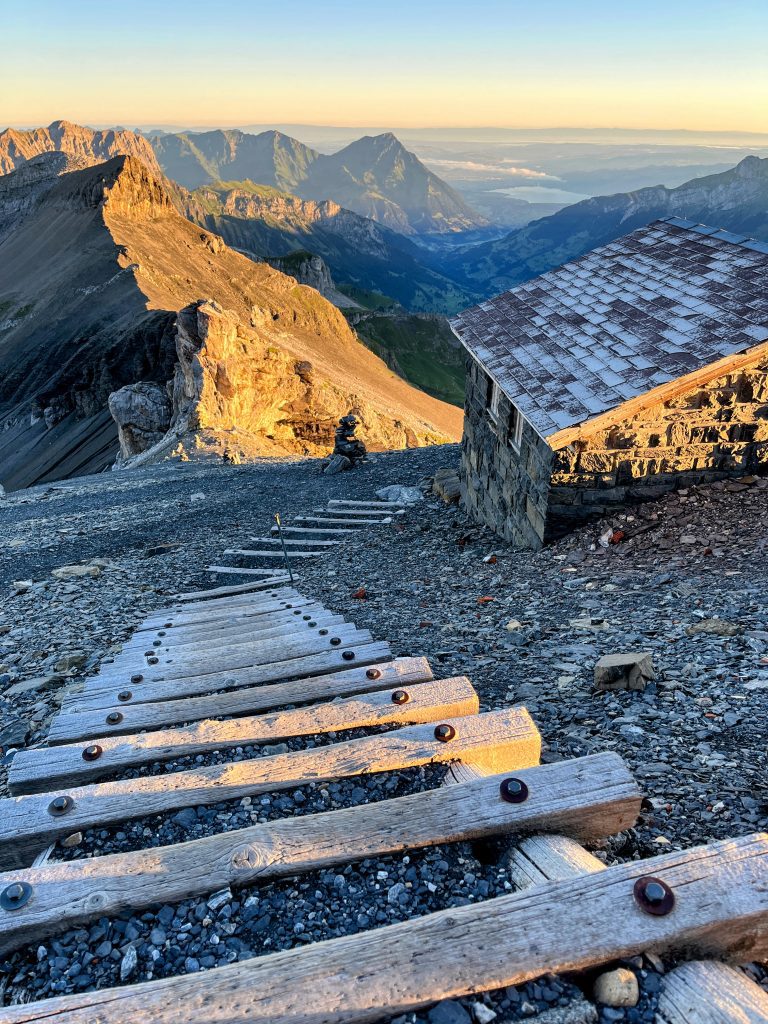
630, 670
142, 412
337, 464
402, 495
446, 484
617, 988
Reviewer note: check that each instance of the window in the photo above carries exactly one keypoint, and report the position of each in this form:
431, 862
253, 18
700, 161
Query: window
515, 427
494, 396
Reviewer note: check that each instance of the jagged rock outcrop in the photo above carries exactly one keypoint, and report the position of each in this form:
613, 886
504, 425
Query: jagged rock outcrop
233, 392
84, 145
21, 190
312, 270
142, 413
91, 280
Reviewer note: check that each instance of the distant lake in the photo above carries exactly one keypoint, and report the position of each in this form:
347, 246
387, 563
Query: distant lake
542, 194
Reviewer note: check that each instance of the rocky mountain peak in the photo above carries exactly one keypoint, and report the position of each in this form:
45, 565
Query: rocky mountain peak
76, 141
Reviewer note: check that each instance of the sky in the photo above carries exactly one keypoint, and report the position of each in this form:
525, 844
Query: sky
696, 64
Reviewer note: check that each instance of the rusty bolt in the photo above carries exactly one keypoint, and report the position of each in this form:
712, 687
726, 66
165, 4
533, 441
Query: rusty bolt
289, 606
124, 695
15, 895
114, 718
137, 678
444, 733
306, 617
149, 654
157, 643
161, 632
60, 805
514, 791
335, 641
323, 632
153, 661
92, 752
297, 612
348, 655
373, 673
312, 624
400, 697
653, 896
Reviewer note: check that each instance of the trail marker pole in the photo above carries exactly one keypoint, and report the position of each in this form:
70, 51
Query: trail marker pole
285, 549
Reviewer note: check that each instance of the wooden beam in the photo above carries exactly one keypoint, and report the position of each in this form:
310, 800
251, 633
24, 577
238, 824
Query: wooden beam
591, 797
247, 700
271, 600
239, 588
382, 516
307, 542
27, 824
708, 992
311, 529
242, 654
355, 524
721, 908
39, 769
343, 502
174, 619
194, 686
251, 553
235, 570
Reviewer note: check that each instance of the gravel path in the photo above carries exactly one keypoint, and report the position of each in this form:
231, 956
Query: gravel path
689, 586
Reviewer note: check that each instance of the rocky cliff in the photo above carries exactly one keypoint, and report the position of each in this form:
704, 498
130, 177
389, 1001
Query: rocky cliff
85, 145
90, 284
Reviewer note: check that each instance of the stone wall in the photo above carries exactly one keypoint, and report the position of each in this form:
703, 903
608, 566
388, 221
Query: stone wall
502, 487
711, 431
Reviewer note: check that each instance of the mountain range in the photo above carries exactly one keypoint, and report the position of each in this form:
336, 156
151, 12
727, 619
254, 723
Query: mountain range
736, 199
376, 176
93, 275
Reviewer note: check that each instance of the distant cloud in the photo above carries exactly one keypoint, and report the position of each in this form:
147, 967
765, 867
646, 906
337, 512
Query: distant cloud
486, 169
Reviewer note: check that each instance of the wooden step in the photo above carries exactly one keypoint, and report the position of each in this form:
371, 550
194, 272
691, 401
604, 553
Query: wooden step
261, 553
29, 823
145, 692
234, 570
351, 513
722, 906
243, 653
257, 626
344, 502
226, 608
314, 529
589, 798
308, 542
708, 992
67, 728
37, 770
238, 588
354, 524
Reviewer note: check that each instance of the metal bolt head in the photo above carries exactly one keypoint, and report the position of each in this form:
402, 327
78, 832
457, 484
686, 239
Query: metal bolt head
137, 678
335, 641
152, 661
400, 697
322, 632
444, 733
306, 617
653, 896
15, 896
124, 695
514, 791
60, 805
149, 654
161, 632
168, 625
373, 673
312, 624
348, 655
289, 606
92, 752
157, 643
114, 718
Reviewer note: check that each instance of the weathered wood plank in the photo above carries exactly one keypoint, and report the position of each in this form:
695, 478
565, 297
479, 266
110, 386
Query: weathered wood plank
380, 515
366, 504
252, 553
241, 654
591, 797
539, 859
236, 570
384, 675
27, 825
39, 769
310, 529
272, 600
708, 992
307, 541
354, 524
194, 686
238, 588
722, 908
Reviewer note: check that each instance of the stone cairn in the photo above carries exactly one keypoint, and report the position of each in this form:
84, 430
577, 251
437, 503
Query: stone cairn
348, 450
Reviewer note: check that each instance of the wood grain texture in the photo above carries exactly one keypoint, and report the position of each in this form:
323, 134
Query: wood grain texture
238, 604
352, 523
257, 626
589, 797
251, 553
69, 727
708, 992
309, 529
236, 570
243, 653
308, 542
145, 693
26, 825
343, 502
238, 588
722, 908
38, 770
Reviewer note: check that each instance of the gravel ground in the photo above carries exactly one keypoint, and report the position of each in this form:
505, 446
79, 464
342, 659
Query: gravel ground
683, 578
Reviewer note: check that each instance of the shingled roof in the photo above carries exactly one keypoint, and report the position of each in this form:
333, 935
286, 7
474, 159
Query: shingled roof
639, 312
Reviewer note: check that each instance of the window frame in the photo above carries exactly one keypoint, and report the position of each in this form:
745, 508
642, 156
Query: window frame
493, 399
515, 427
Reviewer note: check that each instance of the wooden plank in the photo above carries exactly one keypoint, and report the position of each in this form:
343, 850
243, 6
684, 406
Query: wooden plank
27, 825
263, 626
234, 570
354, 524
555, 927
238, 588
219, 611
708, 992
590, 797
343, 502
251, 553
242, 654
310, 529
173, 690
384, 675
295, 691
308, 541
272, 597
353, 514
549, 858
39, 769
